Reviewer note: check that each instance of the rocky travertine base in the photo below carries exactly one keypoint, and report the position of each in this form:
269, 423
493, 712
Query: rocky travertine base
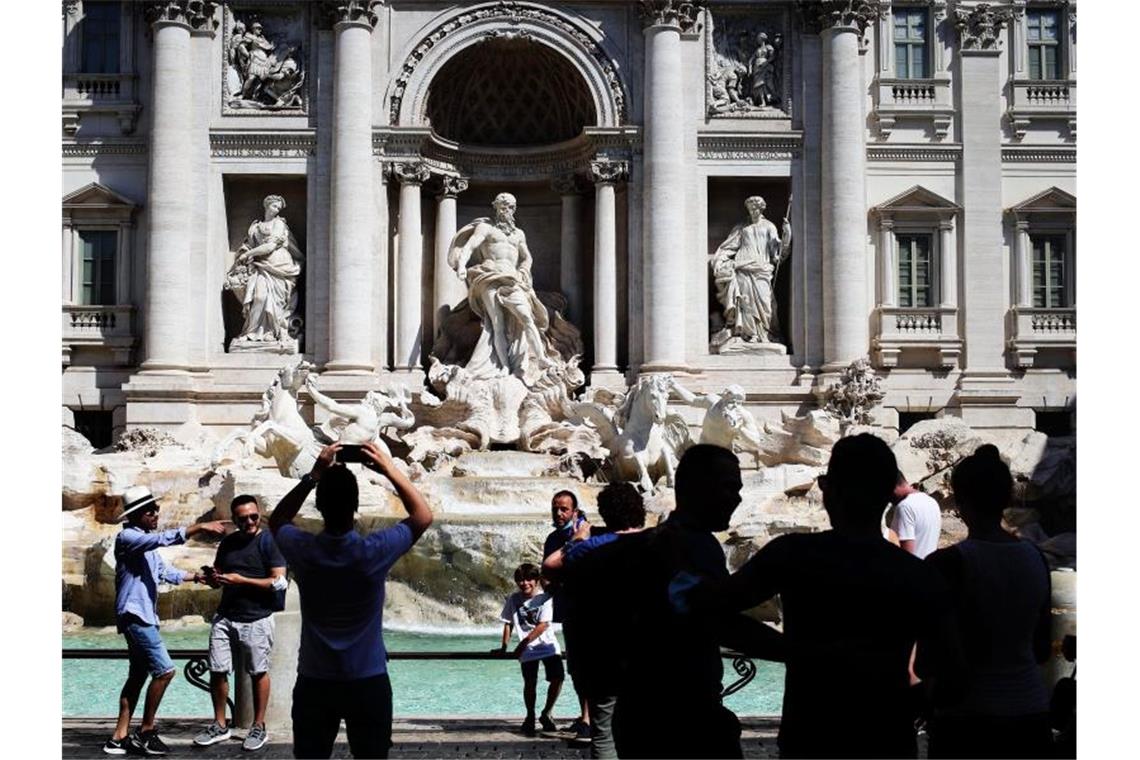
492, 511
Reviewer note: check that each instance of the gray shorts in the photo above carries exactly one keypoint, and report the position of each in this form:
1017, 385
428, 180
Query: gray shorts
255, 640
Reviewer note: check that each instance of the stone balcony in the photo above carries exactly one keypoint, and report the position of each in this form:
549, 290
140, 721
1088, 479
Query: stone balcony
933, 330
1042, 99
917, 99
1037, 329
114, 94
109, 329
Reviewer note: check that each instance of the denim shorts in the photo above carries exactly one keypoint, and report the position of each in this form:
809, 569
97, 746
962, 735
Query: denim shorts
147, 652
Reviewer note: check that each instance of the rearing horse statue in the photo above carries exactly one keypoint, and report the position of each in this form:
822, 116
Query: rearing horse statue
278, 431
645, 441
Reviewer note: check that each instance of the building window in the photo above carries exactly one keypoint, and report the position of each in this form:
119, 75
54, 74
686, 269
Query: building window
916, 264
1049, 271
99, 38
97, 251
1044, 44
910, 42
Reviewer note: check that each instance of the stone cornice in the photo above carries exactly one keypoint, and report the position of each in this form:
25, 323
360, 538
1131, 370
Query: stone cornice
197, 15
914, 153
357, 12
263, 144
93, 148
818, 15
680, 14
748, 147
1020, 154
980, 27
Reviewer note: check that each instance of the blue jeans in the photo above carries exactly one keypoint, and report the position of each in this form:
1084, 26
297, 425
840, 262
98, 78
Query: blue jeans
145, 647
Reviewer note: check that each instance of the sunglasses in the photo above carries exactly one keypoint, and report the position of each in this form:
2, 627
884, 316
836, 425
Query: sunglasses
150, 511
247, 518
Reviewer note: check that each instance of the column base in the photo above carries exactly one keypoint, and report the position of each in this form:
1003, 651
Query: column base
653, 367
607, 377
348, 368
149, 367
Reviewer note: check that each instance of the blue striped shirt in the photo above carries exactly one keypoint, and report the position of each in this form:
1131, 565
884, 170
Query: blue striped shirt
139, 570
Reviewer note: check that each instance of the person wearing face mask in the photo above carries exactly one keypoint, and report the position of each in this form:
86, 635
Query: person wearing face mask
138, 571
250, 571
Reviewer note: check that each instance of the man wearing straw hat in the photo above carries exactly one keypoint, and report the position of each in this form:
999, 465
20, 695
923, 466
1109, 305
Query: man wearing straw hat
138, 571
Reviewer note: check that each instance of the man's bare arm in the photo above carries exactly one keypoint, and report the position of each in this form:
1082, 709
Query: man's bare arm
291, 503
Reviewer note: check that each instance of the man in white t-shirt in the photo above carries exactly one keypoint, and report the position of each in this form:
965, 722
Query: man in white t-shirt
532, 613
917, 520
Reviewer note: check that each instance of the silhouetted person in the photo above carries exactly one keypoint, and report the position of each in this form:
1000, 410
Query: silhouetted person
342, 666
596, 596
853, 607
669, 701
1000, 588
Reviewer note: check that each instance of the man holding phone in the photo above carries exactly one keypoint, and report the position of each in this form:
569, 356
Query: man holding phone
250, 571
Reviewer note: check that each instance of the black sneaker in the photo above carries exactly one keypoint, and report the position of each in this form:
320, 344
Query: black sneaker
150, 744
546, 723
115, 746
528, 727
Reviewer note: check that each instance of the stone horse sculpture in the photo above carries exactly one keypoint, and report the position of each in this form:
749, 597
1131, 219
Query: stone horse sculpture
645, 441
278, 431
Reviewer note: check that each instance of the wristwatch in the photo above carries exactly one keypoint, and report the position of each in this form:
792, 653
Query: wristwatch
309, 480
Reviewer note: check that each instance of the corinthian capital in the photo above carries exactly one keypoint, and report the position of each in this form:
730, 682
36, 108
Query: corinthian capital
411, 172
196, 14
979, 28
818, 15
453, 186
606, 170
679, 13
361, 12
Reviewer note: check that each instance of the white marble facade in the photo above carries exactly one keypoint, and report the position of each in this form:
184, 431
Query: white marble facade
932, 217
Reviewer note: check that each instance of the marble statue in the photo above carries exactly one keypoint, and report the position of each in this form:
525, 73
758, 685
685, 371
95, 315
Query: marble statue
363, 422
492, 257
855, 394
744, 269
264, 278
258, 75
727, 423
762, 71
277, 430
644, 440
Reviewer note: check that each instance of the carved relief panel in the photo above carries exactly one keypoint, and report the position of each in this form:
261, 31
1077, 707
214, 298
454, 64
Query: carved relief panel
265, 56
747, 64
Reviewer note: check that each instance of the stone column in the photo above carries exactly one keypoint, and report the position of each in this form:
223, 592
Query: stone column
605, 174
409, 265
170, 186
350, 271
663, 223
948, 262
1023, 262
889, 260
448, 289
980, 77
841, 25
570, 248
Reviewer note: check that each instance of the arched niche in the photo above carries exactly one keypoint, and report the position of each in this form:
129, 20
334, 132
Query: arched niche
450, 34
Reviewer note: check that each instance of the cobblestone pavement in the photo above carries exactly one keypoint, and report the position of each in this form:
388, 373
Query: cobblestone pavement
414, 738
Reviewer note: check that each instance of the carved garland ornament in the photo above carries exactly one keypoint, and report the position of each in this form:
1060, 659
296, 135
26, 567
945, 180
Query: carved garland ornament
197, 14
606, 170
979, 28
818, 15
511, 13
332, 12
453, 186
411, 172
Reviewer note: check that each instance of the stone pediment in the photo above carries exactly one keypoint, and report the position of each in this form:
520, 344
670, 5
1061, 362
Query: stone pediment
918, 199
1051, 201
97, 197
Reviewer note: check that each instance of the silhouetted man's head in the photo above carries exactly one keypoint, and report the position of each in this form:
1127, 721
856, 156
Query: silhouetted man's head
982, 487
621, 506
338, 497
708, 486
859, 482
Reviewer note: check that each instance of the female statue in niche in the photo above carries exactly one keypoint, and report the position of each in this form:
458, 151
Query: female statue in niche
264, 278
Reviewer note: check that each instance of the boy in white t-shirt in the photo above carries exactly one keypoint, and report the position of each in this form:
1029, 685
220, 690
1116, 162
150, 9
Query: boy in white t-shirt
917, 520
532, 612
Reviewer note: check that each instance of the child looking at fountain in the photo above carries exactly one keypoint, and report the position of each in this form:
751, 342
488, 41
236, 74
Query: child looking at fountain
532, 612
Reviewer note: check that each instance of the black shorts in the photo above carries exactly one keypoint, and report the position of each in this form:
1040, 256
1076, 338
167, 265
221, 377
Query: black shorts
552, 665
365, 706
